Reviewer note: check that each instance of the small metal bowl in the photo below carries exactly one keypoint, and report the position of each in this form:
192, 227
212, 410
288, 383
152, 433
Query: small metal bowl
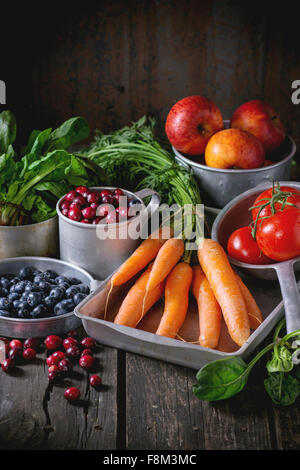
221, 186
41, 327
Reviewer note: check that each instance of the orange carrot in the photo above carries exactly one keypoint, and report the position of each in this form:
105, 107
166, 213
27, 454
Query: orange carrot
176, 300
139, 259
254, 312
168, 256
210, 315
131, 310
223, 281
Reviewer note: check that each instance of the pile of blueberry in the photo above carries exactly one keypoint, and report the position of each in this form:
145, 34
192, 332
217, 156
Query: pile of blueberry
36, 294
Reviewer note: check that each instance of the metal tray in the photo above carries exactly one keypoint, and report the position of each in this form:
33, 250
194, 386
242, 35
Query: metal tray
40, 327
137, 340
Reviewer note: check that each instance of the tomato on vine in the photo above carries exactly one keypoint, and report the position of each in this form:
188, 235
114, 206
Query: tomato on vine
242, 247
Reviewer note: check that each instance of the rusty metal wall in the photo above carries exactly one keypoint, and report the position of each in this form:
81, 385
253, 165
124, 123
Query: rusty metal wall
114, 61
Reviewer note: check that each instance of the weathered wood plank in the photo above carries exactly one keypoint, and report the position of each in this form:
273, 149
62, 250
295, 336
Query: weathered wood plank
36, 416
162, 412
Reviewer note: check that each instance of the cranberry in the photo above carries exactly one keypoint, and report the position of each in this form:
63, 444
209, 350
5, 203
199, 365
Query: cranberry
65, 365
16, 343
79, 201
93, 197
72, 393
52, 361
95, 381
88, 212
70, 196
109, 199
70, 342
29, 354
123, 212
86, 362
87, 352
83, 190
105, 192
58, 355
65, 212
64, 205
7, 364
73, 352
94, 205
53, 342
75, 214
104, 210
112, 218
32, 343
97, 220
85, 221
118, 192
53, 368
88, 342
52, 375
15, 353
72, 334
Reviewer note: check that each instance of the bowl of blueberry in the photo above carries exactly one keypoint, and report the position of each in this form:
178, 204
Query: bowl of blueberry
38, 296
100, 227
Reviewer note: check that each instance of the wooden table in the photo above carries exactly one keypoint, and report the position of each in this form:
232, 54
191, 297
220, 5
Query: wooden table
143, 404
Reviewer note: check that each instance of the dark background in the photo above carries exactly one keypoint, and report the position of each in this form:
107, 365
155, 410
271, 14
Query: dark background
115, 61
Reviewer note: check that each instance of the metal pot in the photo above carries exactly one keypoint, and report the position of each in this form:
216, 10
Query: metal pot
41, 327
102, 248
221, 186
39, 239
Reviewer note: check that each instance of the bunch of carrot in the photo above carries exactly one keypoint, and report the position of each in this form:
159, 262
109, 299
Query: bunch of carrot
214, 284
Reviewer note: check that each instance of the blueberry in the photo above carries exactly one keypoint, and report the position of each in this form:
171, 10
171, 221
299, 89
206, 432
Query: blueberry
14, 280
28, 272
5, 283
32, 288
19, 287
77, 298
62, 279
63, 307
34, 299
3, 292
6, 304
83, 288
71, 291
23, 310
74, 280
50, 302
24, 296
39, 311
49, 275
38, 278
16, 304
13, 296
4, 313
45, 286
57, 293
64, 285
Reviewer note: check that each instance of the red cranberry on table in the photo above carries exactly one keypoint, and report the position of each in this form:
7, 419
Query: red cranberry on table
69, 342
15, 354
86, 362
16, 343
32, 343
88, 342
29, 354
73, 352
87, 352
72, 334
53, 342
52, 375
65, 365
7, 364
53, 368
72, 393
95, 381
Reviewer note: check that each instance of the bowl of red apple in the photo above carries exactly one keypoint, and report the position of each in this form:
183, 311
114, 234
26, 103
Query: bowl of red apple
99, 227
229, 157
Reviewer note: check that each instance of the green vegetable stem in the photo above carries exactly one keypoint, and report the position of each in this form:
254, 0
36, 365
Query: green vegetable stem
225, 378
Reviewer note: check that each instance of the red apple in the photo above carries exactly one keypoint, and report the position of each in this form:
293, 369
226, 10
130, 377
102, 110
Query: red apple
261, 120
191, 122
233, 148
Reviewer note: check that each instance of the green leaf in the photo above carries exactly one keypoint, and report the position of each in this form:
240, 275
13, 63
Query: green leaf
8, 130
76, 173
69, 133
39, 142
282, 388
281, 360
55, 188
221, 379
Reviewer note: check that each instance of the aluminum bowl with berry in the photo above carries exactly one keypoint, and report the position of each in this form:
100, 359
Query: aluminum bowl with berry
96, 226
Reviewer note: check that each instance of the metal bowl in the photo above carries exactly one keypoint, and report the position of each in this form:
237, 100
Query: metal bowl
221, 186
39, 239
26, 328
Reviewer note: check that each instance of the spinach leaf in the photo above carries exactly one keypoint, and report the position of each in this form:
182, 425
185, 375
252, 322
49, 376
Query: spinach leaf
221, 379
8, 129
282, 388
69, 133
281, 360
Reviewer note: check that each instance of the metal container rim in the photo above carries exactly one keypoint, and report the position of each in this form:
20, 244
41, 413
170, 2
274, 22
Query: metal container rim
20, 227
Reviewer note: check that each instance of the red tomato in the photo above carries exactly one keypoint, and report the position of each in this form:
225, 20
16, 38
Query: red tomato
279, 235
295, 199
242, 246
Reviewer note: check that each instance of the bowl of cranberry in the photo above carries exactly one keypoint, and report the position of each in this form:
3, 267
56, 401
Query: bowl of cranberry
99, 227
